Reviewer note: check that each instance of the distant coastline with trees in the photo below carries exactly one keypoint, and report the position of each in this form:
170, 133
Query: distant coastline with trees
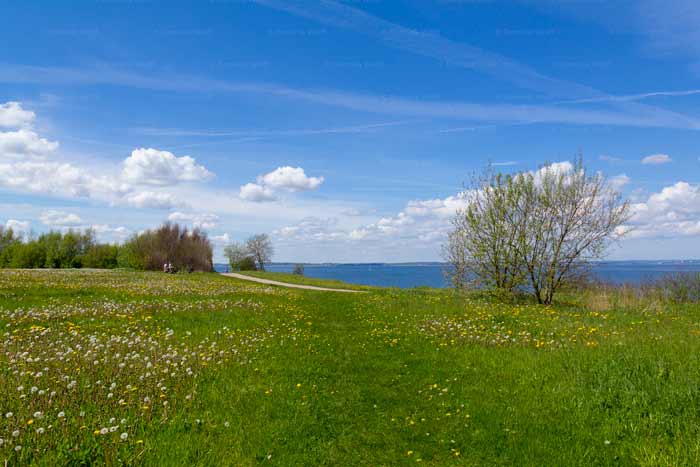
185, 250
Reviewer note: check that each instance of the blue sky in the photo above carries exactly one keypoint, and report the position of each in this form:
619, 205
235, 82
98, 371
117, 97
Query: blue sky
346, 130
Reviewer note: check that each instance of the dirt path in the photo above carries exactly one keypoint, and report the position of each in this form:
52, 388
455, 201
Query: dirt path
285, 284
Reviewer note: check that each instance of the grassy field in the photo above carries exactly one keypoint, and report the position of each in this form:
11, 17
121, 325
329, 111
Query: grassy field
154, 369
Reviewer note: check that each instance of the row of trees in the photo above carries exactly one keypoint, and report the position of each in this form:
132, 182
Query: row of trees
251, 255
171, 243
534, 232
71, 249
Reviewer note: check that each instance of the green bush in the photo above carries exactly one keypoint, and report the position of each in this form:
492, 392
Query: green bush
100, 257
247, 264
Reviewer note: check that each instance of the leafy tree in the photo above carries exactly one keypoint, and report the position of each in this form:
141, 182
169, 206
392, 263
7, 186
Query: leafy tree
27, 255
260, 247
235, 253
535, 230
100, 256
7, 240
248, 264
480, 246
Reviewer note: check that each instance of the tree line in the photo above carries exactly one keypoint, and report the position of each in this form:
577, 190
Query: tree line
71, 249
533, 232
185, 250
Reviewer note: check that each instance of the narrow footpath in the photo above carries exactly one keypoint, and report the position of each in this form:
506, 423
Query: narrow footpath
285, 284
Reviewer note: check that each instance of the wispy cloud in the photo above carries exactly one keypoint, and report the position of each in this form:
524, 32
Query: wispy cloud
377, 104
433, 45
368, 128
635, 97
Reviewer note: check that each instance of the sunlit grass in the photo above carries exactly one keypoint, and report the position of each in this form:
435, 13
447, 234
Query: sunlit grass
146, 368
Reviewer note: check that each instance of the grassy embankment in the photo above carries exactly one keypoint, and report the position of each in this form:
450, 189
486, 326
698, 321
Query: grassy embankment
205, 370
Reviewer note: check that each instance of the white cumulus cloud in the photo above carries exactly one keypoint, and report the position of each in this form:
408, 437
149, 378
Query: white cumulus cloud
656, 159
153, 167
673, 211
291, 179
256, 193
286, 178
24, 144
12, 115
60, 219
619, 181
18, 227
151, 200
204, 221
108, 233
221, 240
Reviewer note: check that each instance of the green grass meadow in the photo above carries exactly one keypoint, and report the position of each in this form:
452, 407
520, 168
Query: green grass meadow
134, 368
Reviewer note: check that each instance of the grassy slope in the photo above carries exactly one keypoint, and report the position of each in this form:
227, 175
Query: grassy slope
299, 279
386, 378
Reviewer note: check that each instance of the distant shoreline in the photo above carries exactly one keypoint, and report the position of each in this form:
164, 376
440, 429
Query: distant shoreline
439, 263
